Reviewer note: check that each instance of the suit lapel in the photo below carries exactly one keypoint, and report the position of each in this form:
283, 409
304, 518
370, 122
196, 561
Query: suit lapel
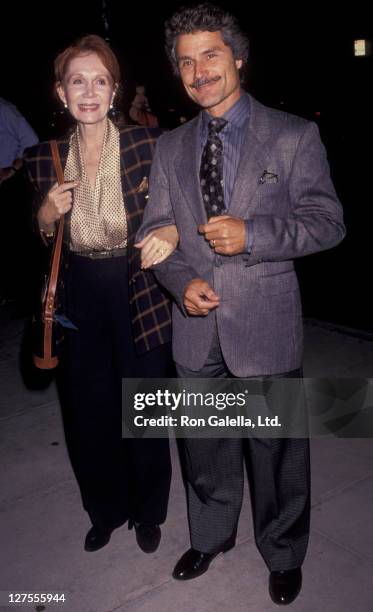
128, 159
253, 162
132, 172
126, 187
187, 169
63, 148
44, 168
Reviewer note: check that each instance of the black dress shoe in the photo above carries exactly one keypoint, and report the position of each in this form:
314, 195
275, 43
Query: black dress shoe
194, 563
284, 586
96, 538
148, 535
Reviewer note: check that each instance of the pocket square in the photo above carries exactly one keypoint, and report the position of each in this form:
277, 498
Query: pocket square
268, 177
144, 185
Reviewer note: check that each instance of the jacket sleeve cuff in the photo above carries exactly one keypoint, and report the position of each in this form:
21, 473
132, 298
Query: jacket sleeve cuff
249, 235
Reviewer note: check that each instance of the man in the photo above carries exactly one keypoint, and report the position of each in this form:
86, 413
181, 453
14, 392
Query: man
249, 190
15, 136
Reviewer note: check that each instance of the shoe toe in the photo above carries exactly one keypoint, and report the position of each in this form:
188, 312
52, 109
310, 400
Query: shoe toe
148, 536
284, 586
96, 538
192, 564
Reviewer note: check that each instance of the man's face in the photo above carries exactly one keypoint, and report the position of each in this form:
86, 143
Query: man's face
209, 72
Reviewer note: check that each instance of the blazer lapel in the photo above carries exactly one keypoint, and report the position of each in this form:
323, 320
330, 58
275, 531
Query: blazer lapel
128, 182
253, 162
63, 148
126, 186
187, 169
132, 172
254, 159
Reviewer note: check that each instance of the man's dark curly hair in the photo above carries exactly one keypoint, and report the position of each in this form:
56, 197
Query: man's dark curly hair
201, 18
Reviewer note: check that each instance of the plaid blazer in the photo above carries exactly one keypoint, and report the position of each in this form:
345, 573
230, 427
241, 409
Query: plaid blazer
150, 306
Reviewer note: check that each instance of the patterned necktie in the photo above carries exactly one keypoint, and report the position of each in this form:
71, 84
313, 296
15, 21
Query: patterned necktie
211, 171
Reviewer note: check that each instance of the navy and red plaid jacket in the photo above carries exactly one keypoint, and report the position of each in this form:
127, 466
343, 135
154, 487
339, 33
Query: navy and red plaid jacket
150, 307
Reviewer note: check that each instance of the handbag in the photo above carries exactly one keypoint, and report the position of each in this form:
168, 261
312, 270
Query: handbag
45, 326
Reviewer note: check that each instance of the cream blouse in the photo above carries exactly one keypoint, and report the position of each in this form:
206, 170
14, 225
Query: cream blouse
98, 218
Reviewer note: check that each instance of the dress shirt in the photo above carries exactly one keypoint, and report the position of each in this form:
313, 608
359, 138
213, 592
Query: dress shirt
232, 137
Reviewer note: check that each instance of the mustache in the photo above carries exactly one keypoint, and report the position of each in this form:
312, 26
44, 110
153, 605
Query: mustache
199, 82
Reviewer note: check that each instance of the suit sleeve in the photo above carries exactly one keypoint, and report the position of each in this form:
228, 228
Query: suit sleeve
174, 273
315, 222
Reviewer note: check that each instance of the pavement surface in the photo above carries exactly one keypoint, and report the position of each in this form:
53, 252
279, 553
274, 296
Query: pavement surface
43, 525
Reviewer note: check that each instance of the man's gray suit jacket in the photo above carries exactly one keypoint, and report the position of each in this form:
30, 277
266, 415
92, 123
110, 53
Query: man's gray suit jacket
283, 183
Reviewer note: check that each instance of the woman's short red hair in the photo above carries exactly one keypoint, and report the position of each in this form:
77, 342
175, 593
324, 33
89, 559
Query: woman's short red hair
84, 45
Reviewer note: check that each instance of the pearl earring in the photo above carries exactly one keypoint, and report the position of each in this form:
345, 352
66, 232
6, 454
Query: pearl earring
65, 105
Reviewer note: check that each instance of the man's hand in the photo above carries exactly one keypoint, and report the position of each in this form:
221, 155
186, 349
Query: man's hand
226, 235
199, 298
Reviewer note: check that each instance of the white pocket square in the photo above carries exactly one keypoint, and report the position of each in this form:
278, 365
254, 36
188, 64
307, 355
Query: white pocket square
268, 177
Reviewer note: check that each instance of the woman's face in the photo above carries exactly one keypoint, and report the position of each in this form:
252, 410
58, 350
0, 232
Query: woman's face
87, 89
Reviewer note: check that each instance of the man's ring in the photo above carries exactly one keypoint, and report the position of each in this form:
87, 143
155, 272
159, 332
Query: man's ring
212, 242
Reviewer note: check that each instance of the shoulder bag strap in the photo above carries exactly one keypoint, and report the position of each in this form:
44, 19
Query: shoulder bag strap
56, 256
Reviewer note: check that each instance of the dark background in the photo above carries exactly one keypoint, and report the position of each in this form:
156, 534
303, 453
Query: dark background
301, 61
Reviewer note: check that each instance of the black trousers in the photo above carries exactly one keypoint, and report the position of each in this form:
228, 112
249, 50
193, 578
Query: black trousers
118, 478
279, 479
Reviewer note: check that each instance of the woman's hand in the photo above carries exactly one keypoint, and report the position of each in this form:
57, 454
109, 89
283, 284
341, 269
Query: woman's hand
158, 245
56, 203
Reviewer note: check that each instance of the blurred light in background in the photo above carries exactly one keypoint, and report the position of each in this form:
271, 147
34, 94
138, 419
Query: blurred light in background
362, 47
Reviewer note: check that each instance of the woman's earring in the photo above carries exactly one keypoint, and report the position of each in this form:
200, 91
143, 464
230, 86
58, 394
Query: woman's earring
65, 105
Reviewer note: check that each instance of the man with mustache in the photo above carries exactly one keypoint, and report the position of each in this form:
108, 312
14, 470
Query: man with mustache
249, 190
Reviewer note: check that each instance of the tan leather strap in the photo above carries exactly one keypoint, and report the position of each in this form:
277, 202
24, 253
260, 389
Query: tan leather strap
56, 257
49, 305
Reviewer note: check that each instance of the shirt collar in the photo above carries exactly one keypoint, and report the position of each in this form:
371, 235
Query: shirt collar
236, 116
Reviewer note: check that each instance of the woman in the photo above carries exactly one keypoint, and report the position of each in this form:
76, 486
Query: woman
140, 111
121, 315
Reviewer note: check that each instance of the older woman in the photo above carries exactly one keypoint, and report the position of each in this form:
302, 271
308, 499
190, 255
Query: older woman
121, 315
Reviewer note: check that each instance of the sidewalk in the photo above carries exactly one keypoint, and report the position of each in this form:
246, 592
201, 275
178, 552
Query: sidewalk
43, 524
